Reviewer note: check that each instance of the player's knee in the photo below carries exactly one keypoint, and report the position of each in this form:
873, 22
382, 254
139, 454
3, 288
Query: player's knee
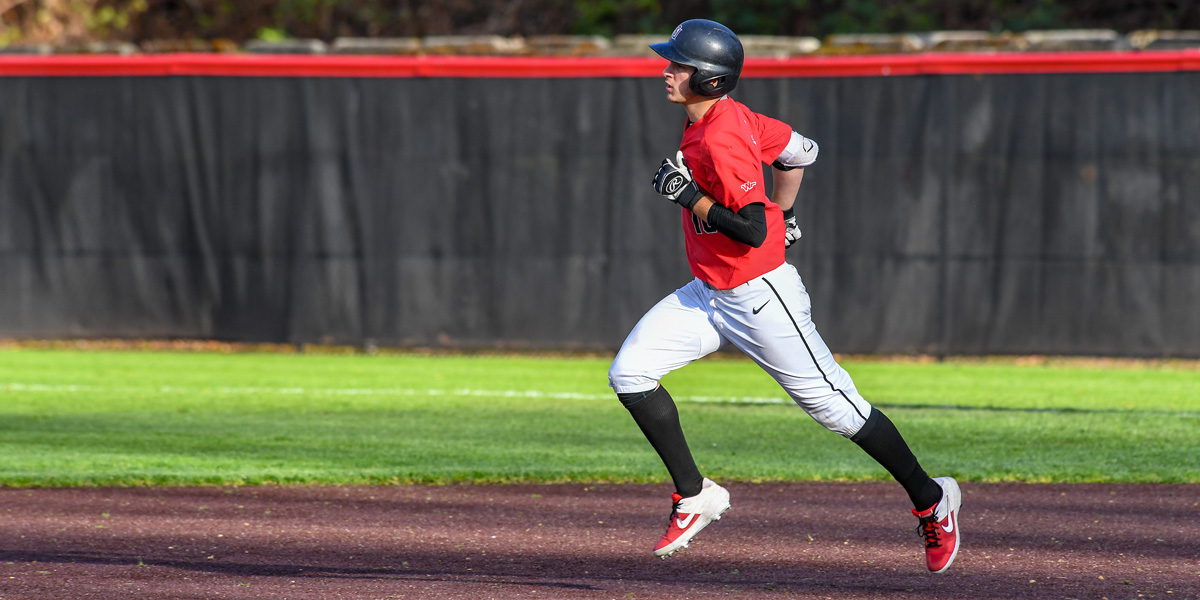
839, 427
838, 414
625, 378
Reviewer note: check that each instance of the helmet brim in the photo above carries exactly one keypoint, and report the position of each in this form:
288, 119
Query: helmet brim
667, 51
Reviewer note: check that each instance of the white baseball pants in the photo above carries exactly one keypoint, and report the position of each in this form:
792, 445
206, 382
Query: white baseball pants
768, 319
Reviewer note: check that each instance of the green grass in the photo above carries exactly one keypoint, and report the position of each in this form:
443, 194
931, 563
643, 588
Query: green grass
72, 418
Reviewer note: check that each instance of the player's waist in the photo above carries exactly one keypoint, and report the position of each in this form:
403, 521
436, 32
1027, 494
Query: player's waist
732, 289
742, 286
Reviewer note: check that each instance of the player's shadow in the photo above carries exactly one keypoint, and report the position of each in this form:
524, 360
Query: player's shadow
293, 571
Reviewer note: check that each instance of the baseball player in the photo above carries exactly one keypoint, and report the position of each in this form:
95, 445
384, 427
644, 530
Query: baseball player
744, 294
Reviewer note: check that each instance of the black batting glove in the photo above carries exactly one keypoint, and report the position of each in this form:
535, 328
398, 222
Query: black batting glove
674, 181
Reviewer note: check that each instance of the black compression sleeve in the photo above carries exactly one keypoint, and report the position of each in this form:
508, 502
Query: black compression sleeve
748, 226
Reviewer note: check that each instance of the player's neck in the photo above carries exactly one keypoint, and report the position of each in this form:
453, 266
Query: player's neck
699, 106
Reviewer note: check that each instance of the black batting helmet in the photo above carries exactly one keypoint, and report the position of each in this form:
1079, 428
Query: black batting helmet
712, 49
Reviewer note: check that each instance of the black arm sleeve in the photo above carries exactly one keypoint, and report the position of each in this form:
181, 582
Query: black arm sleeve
748, 226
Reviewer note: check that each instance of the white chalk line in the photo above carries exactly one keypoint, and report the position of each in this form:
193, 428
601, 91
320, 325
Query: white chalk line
168, 390
407, 392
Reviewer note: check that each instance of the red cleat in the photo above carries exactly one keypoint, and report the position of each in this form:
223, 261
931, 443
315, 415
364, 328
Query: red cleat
690, 515
939, 526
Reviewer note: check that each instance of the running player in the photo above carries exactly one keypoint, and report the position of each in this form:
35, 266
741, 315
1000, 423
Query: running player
744, 294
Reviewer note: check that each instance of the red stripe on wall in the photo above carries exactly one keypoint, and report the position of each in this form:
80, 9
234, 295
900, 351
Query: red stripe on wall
259, 65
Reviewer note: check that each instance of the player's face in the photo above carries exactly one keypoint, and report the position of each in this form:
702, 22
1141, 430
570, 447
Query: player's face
679, 89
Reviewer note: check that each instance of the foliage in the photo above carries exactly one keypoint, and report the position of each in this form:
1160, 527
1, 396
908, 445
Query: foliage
67, 21
609, 17
139, 20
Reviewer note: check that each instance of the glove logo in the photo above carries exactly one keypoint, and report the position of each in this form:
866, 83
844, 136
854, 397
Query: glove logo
673, 184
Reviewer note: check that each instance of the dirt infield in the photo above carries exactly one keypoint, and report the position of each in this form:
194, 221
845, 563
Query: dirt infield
819, 541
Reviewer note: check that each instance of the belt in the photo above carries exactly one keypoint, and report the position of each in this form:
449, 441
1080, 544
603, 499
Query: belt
717, 289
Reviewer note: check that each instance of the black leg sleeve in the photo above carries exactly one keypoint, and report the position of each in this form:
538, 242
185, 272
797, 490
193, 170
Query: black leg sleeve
880, 439
656, 415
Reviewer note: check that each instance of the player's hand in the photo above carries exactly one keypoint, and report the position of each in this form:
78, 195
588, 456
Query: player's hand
791, 231
675, 182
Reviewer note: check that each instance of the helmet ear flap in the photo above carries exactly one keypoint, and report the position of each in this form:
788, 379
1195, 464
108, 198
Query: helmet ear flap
711, 87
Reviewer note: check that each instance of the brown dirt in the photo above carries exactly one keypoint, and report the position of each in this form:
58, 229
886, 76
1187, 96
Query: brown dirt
819, 541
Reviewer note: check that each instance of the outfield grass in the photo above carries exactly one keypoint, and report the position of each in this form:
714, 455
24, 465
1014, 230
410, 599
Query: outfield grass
128, 418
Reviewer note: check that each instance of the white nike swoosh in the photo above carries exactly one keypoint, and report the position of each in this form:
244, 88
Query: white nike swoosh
683, 524
949, 528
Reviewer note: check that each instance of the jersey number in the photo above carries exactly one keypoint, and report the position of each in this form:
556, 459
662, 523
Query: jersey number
702, 227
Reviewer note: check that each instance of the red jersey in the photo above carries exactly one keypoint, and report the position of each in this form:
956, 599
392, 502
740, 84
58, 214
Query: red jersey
725, 151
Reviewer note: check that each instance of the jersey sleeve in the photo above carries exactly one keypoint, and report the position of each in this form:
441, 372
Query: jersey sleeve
773, 137
735, 174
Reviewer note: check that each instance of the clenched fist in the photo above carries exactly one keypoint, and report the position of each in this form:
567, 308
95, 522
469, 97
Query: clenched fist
674, 181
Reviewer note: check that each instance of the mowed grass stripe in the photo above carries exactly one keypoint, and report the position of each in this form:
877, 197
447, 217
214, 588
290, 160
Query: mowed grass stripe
125, 418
